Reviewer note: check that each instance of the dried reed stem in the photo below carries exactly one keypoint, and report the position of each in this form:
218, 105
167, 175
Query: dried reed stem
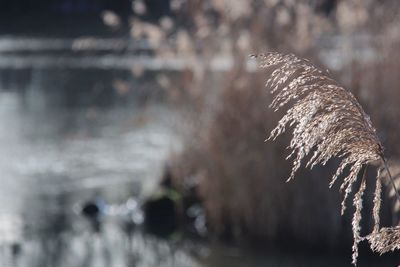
391, 178
328, 122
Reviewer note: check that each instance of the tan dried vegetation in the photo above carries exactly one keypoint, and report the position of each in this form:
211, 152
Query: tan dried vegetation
327, 122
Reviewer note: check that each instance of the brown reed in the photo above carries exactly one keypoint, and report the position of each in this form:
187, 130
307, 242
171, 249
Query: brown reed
328, 122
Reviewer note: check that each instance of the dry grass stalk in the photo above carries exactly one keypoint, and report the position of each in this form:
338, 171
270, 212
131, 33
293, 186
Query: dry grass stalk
385, 240
377, 203
357, 219
395, 170
328, 122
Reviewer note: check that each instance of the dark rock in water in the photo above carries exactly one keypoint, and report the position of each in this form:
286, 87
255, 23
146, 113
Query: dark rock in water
176, 207
16, 249
161, 216
90, 209
161, 212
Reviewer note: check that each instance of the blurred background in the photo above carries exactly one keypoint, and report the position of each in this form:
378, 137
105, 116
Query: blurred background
132, 131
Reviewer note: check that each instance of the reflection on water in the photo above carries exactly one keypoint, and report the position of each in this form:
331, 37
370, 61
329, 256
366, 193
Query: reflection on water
59, 153
66, 240
71, 149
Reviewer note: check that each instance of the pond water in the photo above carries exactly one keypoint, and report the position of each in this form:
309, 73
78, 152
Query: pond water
71, 135
68, 138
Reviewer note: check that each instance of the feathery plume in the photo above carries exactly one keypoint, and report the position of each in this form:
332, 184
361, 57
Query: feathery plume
377, 202
328, 122
387, 239
356, 220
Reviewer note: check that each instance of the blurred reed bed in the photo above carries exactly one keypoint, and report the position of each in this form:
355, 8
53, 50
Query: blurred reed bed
238, 176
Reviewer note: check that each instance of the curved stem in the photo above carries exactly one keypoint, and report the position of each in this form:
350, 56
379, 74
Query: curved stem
391, 178
365, 172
